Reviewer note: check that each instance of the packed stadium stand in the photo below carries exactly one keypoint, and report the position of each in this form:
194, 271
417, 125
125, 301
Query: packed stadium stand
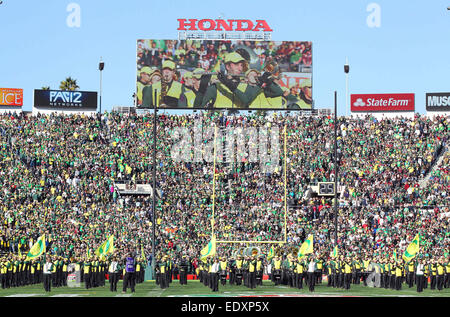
58, 172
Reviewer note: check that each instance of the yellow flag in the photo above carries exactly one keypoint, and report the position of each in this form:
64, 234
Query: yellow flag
412, 249
307, 247
106, 247
208, 250
37, 249
271, 254
335, 251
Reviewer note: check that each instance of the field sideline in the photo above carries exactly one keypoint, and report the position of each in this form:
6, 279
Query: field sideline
195, 289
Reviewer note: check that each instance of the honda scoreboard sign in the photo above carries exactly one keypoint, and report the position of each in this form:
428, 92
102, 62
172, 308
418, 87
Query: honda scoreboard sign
68, 100
438, 101
382, 102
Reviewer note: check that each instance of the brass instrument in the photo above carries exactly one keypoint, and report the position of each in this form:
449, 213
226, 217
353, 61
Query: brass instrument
295, 251
252, 251
279, 251
163, 94
272, 67
239, 252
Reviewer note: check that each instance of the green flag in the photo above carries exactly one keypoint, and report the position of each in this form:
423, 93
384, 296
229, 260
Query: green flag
412, 249
307, 247
143, 253
208, 250
106, 247
37, 249
271, 254
335, 251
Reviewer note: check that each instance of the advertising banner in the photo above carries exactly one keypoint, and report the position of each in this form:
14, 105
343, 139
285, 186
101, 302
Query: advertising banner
11, 97
226, 74
69, 100
382, 102
438, 101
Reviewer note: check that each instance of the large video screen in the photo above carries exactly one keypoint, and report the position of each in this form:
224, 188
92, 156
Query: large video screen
232, 74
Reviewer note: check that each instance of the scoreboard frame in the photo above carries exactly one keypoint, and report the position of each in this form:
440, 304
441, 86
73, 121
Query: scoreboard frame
324, 189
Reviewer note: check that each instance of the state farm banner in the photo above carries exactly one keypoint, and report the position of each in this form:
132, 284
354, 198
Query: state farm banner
11, 97
382, 102
438, 101
69, 100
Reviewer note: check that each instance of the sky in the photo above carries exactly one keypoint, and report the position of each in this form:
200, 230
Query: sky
407, 51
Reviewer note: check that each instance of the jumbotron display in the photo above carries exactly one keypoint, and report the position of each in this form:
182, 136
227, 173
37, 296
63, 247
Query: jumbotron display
206, 74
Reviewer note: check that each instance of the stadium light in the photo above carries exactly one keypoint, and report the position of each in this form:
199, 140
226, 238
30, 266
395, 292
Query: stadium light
101, 66
346, 70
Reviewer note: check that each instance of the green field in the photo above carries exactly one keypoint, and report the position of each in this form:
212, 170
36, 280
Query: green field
196, 289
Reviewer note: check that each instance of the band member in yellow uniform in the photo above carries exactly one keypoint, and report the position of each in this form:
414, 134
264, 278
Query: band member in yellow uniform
365, 268
194, 94
382, 271
3, 273
447, 273
299, 273
399, 275
440, 279
168, 92
426, 272
144, 80
239, 272
162, 270
276, 270
199, 271
87, 273
387, 273
184, 267
228, 91
259, 271
331, 271
347, 273
410, 268
433, 273
223, 271
356, 271
392, 274
266, 92
252, 273
341, 272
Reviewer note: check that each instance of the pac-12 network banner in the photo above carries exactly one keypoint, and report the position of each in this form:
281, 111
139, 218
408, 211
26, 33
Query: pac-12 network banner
66, 100
231, 74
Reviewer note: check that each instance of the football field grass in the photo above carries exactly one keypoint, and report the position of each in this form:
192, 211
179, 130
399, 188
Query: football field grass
196, 289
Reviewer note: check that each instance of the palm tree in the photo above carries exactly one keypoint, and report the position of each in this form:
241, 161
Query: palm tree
69, 84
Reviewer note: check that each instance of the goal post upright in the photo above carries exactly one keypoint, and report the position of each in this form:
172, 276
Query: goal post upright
285, 197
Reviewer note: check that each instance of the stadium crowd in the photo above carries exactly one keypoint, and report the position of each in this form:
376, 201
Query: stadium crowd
58, 173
